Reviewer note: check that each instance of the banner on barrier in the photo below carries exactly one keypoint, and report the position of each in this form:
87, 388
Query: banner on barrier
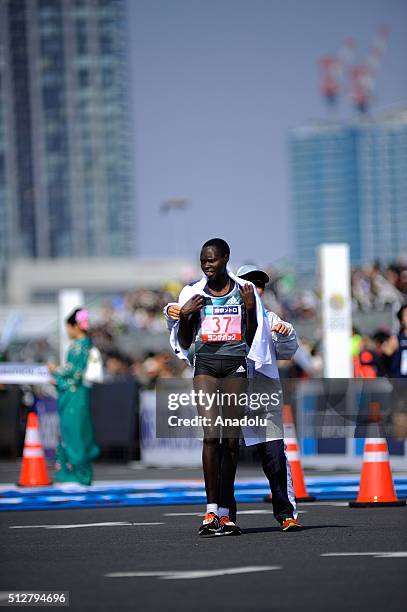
24, 374
46, 408
164, 452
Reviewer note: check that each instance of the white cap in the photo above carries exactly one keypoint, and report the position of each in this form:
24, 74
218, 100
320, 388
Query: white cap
244, 271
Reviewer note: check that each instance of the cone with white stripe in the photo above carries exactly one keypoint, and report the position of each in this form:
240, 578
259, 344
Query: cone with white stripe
376, 486
34, 468
293, 456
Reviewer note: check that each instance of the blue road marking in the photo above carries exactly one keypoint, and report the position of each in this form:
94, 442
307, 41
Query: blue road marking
157, 493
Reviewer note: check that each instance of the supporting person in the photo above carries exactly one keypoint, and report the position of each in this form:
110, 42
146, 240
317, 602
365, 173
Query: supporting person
272, 450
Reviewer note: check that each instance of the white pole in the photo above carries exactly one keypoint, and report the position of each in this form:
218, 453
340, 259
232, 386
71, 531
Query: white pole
335, 280
68, 300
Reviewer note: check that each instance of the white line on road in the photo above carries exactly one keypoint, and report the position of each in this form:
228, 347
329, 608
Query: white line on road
201, 513
187, 575
327, 503
377, 555
116, 524
239, 512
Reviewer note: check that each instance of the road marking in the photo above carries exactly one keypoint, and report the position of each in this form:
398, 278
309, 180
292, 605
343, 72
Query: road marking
201, 513
328, 503
188, 575
115, 524
376, 555
239, 512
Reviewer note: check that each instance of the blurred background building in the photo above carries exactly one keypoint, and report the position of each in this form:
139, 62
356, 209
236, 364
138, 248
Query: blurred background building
66, 180
325, 190
349, 184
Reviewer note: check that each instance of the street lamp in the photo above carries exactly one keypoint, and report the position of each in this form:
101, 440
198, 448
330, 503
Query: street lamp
179, 231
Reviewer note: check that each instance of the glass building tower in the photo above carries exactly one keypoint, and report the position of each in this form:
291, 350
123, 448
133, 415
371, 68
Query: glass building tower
382, 168
65, 163
349, 184
325, 190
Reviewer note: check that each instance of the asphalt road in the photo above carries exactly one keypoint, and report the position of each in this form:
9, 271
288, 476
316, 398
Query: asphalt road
267, 570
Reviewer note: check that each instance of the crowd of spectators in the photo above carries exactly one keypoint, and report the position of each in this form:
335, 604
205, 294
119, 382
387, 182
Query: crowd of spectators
374, 287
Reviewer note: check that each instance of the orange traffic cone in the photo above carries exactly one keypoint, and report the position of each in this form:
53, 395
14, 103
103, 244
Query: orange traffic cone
376, 482
33, 469
293, 456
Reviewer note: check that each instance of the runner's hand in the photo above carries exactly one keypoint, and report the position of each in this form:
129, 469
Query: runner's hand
247, 293
281, 328
52, 367
173, 311
193, 305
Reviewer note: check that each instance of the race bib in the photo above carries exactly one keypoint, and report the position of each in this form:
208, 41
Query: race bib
221, 324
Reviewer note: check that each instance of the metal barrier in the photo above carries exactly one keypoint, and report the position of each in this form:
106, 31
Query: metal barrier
331, 421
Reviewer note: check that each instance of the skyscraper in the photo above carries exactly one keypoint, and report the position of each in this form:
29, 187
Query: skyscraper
382, 169
325, 190
349, 184
65, 163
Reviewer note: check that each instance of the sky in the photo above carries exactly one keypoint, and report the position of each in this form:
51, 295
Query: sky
216, 87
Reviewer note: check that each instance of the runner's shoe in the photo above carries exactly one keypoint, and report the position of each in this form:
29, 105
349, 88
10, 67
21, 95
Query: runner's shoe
290, 524
228, 527
210, 525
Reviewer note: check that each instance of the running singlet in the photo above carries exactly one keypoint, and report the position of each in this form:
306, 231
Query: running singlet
222, 327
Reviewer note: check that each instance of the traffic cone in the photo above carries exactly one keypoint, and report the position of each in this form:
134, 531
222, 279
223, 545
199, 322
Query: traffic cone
293, 456
376, 482
33, 469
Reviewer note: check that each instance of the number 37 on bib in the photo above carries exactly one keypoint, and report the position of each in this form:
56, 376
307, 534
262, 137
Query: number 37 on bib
221, 324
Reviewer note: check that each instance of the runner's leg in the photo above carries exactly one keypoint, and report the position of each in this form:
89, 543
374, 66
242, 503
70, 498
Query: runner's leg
278, 472
234, 387
210, 449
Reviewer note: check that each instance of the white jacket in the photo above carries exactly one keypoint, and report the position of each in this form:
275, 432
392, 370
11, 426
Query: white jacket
284, 346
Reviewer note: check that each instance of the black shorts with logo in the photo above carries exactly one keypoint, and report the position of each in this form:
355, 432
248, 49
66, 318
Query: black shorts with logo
220, 367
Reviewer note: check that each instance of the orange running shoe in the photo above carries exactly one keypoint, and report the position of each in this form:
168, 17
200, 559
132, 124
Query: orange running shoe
228, 527
210, 525
290, 524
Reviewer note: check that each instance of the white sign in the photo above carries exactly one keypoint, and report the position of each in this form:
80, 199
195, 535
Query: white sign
336, 310
24, 374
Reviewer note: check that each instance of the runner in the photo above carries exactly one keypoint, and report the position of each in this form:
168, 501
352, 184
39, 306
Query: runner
272, 452
223, 317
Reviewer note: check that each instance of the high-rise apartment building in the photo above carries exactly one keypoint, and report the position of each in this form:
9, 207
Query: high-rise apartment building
65, 160
349, 184
382, 170
325, 190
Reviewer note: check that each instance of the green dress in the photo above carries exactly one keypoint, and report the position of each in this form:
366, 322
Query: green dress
76, 447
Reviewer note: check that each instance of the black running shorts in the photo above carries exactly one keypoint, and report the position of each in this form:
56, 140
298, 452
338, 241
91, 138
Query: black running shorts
220, 367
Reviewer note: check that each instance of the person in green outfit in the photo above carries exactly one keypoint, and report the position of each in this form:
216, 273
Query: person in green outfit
76, 447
